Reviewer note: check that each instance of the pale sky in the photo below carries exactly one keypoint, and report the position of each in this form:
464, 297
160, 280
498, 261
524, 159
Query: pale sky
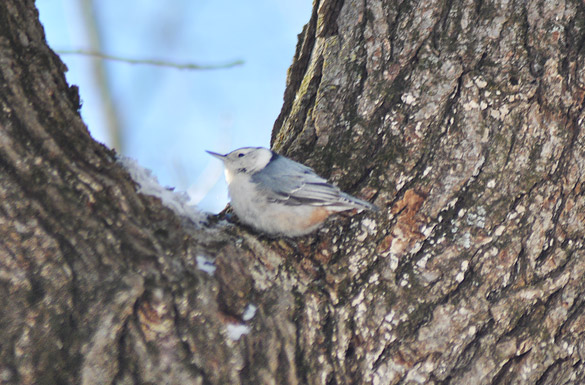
170, 117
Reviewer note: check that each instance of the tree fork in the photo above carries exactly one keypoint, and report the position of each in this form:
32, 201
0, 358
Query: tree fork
462, 120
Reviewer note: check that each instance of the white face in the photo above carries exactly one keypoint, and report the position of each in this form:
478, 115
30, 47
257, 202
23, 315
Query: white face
246, 160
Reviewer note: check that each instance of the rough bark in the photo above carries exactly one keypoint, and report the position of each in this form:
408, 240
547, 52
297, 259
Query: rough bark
463, 121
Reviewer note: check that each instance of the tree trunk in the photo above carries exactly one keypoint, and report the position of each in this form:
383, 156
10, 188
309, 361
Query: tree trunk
461, 120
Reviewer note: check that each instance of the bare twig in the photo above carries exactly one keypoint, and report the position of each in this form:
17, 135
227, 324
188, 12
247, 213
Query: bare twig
160, 63
101, 76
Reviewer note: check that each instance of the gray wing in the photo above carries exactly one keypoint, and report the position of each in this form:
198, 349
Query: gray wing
292, 183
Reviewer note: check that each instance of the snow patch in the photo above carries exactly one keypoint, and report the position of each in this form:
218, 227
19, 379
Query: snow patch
205, 264
249, 312
236, 331
148, 185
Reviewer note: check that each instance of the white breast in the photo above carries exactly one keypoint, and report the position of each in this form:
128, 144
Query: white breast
229, 176
253, 209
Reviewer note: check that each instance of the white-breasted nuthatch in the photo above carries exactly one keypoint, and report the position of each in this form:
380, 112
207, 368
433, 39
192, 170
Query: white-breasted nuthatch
277, 195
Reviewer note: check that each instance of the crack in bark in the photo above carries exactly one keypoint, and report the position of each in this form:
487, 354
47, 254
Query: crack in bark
506, 369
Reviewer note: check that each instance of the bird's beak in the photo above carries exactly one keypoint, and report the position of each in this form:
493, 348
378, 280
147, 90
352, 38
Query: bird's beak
218, 156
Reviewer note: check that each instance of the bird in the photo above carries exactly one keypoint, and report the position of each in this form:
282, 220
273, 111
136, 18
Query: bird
280, 197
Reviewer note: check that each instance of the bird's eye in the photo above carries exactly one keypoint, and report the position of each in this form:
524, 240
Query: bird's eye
240, 154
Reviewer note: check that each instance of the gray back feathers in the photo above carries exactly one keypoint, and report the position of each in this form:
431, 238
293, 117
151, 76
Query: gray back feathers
291, 183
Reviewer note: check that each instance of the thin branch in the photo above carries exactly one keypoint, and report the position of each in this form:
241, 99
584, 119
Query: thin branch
102, 78
160, 63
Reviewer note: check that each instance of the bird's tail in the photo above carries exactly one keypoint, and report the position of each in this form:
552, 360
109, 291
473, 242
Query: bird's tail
357, 203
